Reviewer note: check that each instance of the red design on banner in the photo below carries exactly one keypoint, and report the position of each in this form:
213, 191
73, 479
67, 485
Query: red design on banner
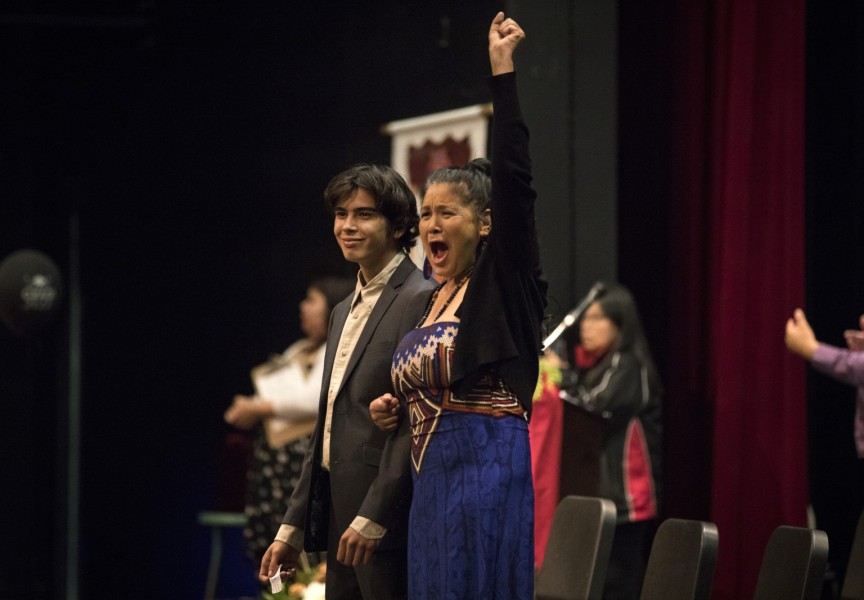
432, 156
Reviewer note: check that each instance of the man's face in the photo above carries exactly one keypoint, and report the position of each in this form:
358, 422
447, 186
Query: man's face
364, 233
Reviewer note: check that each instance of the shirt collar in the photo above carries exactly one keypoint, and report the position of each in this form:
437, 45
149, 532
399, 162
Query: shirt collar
377, 283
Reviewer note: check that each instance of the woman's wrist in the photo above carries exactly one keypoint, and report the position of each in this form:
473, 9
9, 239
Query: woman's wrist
263, 408
501, 67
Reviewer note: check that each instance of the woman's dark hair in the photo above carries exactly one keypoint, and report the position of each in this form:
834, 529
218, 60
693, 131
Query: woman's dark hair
392, 197
473, 183
335, 289
618, 305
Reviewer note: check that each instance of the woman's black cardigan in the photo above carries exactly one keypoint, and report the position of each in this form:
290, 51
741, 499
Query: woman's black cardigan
504, 305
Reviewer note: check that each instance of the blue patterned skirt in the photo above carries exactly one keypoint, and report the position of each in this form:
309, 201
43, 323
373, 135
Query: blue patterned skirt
471, 532
471, 529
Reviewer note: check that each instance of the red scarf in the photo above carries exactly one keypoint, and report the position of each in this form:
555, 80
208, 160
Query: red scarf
583, 359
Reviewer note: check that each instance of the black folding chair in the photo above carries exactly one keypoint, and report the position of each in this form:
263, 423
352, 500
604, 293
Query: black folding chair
793, 564
682, 561
577, 552
853, 583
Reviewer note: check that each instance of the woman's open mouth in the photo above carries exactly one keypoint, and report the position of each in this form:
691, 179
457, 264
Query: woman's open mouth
438, 252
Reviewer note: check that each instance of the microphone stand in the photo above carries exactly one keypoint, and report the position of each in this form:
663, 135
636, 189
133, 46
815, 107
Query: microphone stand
571, 317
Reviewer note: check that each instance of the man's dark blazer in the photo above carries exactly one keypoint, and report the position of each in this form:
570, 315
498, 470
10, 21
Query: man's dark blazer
370, 471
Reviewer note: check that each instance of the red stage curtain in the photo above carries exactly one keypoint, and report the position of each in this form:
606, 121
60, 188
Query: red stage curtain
739, 271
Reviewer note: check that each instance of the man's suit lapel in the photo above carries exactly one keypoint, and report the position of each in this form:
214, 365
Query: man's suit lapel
388, 295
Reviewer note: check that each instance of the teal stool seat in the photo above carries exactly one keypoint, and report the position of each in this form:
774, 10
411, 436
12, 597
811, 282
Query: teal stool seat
216, 521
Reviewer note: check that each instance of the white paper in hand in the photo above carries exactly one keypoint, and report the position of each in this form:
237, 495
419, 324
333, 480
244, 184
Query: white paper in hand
276, 581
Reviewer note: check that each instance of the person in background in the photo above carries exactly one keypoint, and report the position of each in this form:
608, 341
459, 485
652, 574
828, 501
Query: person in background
843, 364
285, 423
613, 396
355, 488
465, 376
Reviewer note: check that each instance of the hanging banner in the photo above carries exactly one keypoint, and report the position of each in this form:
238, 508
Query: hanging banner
423, 144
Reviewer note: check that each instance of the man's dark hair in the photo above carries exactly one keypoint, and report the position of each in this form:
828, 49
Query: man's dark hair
392, 197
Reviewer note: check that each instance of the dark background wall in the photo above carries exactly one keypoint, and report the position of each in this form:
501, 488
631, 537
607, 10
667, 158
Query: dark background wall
835, 252
180, 151
190, 143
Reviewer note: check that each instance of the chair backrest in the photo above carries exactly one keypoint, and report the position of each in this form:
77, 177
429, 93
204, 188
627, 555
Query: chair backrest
853, 582
577, 552
682, 561
793, 564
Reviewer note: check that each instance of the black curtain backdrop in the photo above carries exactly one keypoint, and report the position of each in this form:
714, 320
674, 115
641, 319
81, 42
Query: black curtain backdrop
835, 257
192, 141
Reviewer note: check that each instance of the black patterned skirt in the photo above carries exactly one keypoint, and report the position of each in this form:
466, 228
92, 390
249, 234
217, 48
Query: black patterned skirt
272, 475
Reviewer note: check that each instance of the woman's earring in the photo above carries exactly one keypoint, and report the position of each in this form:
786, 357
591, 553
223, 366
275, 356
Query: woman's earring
482, 243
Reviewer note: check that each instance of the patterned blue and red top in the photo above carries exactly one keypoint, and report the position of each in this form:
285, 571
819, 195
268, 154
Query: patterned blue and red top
421, 376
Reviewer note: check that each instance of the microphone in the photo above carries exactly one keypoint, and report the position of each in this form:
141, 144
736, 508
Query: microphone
597, 290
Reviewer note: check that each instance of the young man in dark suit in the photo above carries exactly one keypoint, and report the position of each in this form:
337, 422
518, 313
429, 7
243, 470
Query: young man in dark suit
355, 489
